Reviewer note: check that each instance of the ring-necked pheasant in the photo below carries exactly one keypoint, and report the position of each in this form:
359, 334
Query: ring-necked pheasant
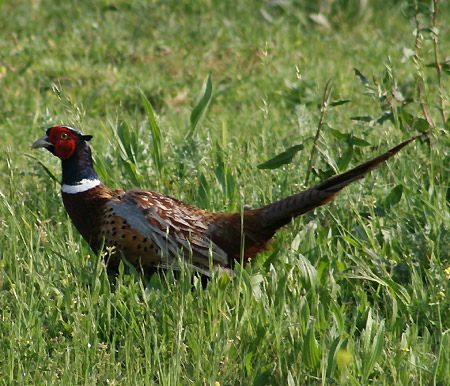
151, 229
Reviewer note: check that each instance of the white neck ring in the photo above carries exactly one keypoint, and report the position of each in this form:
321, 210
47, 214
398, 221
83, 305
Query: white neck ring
80, 187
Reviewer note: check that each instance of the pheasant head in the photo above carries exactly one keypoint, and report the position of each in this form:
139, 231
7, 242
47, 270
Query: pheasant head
71, 146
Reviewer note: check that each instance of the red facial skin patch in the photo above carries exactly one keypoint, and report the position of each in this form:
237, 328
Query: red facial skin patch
64, 141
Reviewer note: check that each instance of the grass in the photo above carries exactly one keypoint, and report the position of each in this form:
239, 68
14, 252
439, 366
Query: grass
356, 292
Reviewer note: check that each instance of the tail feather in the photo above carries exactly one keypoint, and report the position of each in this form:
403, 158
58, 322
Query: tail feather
277, 214
259, 225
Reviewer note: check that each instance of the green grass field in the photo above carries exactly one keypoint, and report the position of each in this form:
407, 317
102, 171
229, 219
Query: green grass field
356, 292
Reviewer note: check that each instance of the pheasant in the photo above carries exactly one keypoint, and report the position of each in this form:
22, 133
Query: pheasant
153, 231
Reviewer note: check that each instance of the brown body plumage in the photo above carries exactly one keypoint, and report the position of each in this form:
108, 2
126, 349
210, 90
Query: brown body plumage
151, 229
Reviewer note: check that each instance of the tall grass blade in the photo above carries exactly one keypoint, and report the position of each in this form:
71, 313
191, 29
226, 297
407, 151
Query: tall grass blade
201, 107
156, 146
311, 354
373, 350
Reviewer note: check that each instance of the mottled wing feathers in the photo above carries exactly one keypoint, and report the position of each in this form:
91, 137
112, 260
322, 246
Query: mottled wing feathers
152, 229
120, 233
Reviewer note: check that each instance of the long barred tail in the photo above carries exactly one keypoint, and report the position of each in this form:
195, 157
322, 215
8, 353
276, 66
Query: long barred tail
259, 225
277, 214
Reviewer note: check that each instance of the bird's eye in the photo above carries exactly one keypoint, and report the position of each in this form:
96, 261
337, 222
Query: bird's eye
64, 135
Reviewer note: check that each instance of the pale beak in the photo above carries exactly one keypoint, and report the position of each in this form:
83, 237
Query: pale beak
41, 142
